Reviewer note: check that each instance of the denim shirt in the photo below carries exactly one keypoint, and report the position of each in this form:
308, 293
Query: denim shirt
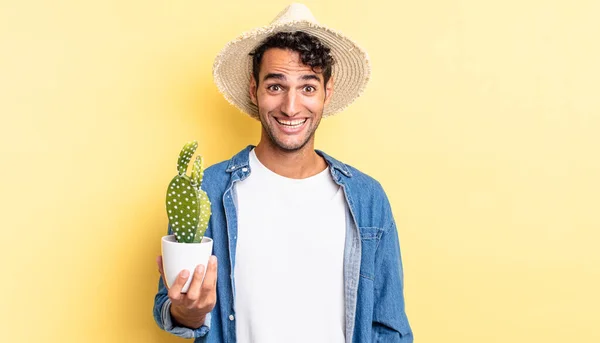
373, 276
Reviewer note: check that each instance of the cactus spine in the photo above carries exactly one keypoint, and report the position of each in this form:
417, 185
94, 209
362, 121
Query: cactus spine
188, 206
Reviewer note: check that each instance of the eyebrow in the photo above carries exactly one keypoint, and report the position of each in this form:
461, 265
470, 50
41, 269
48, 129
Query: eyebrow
277, 76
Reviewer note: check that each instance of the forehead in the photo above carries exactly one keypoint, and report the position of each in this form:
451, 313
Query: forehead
283, 61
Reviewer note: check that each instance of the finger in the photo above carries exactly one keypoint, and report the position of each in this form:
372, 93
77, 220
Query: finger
194, 291
175, 290
159, 262
210, 280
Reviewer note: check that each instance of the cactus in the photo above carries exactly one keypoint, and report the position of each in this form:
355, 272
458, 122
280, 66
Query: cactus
188, 206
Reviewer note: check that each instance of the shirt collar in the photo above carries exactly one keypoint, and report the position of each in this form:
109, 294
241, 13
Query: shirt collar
242, 159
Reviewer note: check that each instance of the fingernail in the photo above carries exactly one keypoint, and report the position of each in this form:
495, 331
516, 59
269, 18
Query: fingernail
213, 258
199, 268
185, 274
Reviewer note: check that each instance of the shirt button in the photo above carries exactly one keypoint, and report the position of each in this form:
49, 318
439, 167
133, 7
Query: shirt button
244, 169
231, 317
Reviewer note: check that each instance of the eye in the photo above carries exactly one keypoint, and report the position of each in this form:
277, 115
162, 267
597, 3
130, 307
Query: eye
309, 89
274, 88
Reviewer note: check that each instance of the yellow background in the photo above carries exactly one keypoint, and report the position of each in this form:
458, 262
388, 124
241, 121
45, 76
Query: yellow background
482, 121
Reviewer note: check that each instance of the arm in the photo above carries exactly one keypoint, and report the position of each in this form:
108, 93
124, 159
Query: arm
165, 321
190, 316
181, 325
390, 324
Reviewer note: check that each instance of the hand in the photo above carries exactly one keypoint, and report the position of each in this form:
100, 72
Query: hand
190, 309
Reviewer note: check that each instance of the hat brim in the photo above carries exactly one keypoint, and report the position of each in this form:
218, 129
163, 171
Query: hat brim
233, 66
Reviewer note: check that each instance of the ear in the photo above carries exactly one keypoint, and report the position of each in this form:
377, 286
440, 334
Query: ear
252, 90
328, 90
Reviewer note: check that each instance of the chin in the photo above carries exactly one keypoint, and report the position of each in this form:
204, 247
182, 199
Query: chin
291, 147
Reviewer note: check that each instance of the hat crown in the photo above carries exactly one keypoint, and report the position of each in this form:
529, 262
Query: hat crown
294, 12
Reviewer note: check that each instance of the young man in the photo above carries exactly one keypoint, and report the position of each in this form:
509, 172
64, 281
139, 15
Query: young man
307, 246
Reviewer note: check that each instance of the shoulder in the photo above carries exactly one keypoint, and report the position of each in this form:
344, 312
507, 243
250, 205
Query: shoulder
364, 179
353, 177
216, 178
365, 187
221, 172
366, 195
216, 169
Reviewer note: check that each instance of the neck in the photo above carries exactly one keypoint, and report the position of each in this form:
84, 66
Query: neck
298, 164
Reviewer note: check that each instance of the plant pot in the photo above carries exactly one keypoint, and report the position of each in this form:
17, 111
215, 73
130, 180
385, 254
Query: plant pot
179, 256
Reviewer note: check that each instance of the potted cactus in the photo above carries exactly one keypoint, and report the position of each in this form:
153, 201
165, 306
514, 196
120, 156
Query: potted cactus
188, 210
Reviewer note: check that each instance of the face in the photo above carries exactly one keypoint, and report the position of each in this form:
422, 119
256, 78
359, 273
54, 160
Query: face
290, 97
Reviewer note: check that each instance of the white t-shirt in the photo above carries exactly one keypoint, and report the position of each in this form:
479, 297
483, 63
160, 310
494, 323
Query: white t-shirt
289, 281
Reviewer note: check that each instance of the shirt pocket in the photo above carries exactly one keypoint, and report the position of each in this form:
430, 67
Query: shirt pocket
369, 237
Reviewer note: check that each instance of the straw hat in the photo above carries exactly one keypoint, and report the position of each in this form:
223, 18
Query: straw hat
232, 68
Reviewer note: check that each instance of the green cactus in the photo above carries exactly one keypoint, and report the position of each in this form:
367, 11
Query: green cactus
188, 206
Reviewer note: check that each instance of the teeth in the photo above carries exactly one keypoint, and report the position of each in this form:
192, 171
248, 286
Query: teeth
293, 123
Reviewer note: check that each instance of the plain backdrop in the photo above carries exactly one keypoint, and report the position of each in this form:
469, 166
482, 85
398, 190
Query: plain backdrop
481, 121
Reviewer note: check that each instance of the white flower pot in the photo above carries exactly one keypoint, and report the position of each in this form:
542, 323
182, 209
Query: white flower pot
179, 256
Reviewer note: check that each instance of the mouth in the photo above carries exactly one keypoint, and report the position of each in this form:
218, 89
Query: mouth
291, 123
291, 126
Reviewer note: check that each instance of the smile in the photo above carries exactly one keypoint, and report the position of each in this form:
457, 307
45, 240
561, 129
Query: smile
291, 123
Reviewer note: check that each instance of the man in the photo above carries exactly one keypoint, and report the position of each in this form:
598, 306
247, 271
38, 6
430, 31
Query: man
307, 246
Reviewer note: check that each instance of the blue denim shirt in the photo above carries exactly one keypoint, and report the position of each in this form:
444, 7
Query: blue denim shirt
373, 276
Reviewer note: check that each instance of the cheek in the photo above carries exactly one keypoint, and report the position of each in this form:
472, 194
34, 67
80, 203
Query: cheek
267, 102
314, 103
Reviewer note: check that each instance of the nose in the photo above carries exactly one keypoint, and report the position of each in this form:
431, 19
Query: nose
291, 104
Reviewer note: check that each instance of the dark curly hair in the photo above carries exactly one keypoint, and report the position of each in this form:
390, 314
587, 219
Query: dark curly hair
313, 52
